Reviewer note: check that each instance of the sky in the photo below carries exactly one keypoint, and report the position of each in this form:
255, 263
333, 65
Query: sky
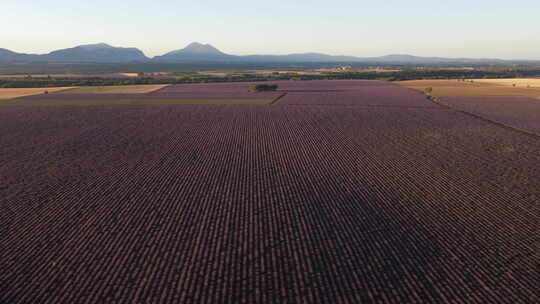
474, 29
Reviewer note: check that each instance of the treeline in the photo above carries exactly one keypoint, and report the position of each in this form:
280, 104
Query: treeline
415, 74
29, 82
7, 68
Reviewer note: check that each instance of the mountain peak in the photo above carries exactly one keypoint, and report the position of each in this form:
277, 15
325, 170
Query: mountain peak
96, 46
199, 48
195, 44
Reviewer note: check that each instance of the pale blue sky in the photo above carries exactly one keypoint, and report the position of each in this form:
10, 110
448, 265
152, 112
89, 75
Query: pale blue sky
459, 28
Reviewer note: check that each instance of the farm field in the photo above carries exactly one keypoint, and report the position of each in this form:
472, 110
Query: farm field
130, 100
497, 100
10, 93
519, 82
337, 192
128, 89
520, 113
477, 88
148, 95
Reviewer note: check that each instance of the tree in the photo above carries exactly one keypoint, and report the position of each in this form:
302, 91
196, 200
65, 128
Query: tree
262, 87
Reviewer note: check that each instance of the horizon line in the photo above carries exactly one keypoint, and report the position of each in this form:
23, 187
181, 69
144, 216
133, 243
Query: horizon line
267, 54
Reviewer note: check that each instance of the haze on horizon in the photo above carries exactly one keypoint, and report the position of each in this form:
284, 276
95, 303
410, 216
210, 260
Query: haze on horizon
479, 29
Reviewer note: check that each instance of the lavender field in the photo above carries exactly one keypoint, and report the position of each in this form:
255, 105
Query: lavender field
521, 113
337, 192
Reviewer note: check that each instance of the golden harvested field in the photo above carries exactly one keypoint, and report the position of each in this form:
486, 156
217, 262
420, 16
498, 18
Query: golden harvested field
128, 89
477, 88
520, 82
130, 74
9, 93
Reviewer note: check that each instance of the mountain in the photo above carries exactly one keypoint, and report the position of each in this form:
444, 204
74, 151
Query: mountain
7, 55
303, 57
198, 52
10, 56
206, 52
100, 52
401, 58
199, 48
195, 52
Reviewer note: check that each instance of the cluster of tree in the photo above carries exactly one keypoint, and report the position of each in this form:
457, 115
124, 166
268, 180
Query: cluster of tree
263, 87
414, 74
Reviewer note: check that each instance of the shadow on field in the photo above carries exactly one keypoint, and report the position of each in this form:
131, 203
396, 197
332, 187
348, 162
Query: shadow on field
337, 247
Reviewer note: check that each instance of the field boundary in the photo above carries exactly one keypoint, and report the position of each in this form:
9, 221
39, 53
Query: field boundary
160, 89
278, 98
441, 103
63, 91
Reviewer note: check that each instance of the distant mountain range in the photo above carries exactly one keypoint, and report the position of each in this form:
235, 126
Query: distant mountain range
197, 52
101, 53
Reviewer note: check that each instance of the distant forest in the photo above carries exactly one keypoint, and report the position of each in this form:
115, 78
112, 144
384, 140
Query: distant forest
186, 73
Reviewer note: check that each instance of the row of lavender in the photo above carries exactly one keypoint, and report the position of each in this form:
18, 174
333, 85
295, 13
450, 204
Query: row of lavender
521, 113
382, 96
265, 205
